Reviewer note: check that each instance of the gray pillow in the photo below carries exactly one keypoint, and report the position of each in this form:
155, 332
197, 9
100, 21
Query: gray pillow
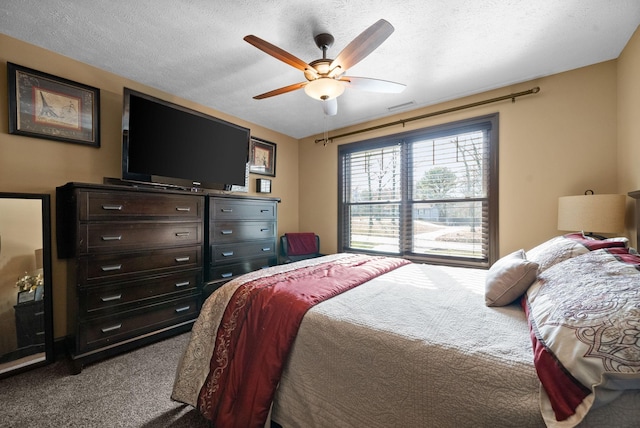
509, 278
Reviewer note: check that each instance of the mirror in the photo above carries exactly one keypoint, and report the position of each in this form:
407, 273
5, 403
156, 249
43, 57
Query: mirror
26, 309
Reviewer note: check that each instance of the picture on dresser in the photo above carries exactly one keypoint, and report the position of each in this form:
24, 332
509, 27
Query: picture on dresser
26, 326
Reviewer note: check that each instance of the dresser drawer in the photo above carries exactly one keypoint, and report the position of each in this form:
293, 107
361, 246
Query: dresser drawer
120, 205
226, 272
234, 231
229, 209
103, 331
116, 267
105, 237
232, 252
111, 298
29, 322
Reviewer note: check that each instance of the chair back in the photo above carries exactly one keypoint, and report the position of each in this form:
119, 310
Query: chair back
288, 258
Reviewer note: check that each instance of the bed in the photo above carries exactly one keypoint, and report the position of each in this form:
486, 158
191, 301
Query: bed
550, 336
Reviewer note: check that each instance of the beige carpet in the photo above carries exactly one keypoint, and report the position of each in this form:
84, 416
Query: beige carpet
129, 390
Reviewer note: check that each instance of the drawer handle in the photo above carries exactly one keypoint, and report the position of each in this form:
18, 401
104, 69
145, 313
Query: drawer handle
182, 309
265, 211
265, 229
183, 209
182, 259
112, 238
226, 275
112, 207
38, 314
111, 298
266, 249
111, 268
226, 232
227, 253
39, 333
179, 234
182, 284
112, 328
226, 210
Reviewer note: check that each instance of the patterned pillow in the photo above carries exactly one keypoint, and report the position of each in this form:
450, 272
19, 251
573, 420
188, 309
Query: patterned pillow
584, 317
509, 278
564, 247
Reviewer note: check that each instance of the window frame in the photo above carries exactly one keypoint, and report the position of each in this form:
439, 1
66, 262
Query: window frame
487, 122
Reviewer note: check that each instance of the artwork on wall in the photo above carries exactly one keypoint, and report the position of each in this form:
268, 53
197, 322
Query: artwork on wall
45, 106
262, 158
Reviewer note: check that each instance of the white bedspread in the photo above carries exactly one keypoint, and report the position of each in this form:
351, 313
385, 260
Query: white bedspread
415, 347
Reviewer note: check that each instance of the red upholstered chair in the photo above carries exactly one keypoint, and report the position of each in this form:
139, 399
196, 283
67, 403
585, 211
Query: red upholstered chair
299, 246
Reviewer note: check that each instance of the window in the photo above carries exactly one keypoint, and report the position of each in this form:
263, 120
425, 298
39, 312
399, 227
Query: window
428, 195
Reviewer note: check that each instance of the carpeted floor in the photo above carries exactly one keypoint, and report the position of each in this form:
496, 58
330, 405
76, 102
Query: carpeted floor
129, 390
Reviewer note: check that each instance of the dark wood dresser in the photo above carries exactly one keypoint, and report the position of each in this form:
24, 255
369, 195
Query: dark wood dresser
242, 234
137, 269
30, 324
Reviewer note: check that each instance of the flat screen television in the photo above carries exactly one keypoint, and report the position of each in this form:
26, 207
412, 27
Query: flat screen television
170, 145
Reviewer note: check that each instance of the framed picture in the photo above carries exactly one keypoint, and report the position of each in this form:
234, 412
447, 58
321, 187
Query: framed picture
263, 185
26, 296
262, 159
46, 106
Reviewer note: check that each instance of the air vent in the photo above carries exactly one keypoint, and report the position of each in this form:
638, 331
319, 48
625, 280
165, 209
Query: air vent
401, 106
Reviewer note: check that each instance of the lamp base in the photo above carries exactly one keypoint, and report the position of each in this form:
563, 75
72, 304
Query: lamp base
591, 235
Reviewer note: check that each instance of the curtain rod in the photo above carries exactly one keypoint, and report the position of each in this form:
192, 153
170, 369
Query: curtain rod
512, 97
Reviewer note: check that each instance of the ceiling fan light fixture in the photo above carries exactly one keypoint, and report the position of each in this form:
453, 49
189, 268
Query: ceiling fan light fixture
324, 88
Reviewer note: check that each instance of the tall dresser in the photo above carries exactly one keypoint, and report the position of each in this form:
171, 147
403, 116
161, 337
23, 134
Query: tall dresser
241, 235
137, 269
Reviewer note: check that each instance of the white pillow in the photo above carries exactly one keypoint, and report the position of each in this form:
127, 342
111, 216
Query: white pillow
509, 278
561, 248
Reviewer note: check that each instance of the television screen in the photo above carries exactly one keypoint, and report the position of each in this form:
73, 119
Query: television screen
165, 143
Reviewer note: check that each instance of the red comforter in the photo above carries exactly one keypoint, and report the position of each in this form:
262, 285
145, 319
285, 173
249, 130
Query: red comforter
258, 328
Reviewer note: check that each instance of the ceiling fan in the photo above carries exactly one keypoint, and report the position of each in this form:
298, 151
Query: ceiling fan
325, 77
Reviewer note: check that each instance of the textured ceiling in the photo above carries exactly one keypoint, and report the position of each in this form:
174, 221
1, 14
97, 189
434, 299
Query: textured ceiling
441, 49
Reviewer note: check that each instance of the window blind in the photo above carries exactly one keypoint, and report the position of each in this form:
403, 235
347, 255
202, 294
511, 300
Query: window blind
429, 195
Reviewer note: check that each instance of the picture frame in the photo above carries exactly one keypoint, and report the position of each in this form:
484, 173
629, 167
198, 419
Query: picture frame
263, 185
45, 106
262, 157
26, 296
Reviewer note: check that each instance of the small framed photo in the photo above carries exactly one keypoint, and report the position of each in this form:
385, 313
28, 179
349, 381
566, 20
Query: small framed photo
45, 106
262, 159
26, 296
263, 185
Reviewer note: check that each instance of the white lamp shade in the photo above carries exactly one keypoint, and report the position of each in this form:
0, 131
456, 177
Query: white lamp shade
592, 213
324, 88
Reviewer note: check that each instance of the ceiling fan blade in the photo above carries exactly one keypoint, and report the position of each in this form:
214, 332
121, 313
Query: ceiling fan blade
330, 107
373, 85
362, 45
278, 53
279, 91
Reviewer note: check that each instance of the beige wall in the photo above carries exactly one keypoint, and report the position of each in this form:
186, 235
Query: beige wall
38, 166
558, 142
572, 136
629, 125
